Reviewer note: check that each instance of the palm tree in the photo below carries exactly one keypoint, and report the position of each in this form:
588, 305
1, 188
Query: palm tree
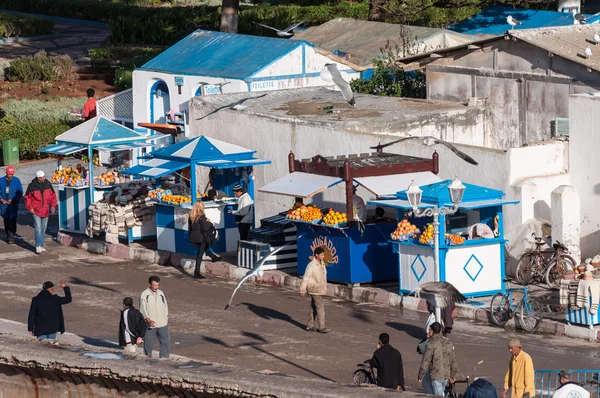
229, 16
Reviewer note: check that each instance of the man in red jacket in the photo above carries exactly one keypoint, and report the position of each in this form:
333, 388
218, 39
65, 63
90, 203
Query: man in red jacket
40, 200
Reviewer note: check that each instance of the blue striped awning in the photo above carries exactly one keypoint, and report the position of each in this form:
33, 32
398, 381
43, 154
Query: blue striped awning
156, 168
231, 164
62, 149
124, 147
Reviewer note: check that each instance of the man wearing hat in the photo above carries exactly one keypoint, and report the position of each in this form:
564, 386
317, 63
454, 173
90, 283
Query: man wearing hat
520, 378
11, 192
243, 214
40, 200
45, 313
568, 388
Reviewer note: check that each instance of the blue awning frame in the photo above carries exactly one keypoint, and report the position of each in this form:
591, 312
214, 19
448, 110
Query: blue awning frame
155, 168
63, 149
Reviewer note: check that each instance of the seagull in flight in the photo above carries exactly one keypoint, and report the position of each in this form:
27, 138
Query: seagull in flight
512, 21
237, 105
330, 73
288, 32
258, 270
439, 294
587, 52
578, 18
429, 141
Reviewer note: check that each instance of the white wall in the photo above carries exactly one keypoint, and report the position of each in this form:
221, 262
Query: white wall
584, 137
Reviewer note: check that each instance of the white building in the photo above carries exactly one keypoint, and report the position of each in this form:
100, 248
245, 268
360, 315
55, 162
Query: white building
208, 63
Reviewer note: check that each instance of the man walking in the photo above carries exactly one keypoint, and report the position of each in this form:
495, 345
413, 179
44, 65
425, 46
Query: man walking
388, 362
520, 378
45, 313
132, 327
314, 282
153, 306
568, 388
40, 200
243, 215
11, 192
439, 359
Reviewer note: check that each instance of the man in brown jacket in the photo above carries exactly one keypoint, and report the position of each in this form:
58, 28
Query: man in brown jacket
314, 282
439, 359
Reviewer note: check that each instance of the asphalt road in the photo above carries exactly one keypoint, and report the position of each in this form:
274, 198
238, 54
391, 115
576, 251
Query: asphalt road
264, 330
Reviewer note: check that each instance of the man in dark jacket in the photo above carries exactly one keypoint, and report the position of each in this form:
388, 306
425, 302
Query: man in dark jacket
11, 192
132, 327
388, 362
40, 200
45, 314
439, 359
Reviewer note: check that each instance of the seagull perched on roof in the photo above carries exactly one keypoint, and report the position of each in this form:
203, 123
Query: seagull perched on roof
439, 294
257, 271
512, 22
284, 32
596, 38
330, 73
429, 141
587, 52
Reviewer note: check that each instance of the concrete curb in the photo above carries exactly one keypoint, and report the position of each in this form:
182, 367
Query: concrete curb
281, 279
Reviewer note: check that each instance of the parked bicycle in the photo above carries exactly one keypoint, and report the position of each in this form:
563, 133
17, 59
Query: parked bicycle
504, 307
548, 265
451, 391
365, 374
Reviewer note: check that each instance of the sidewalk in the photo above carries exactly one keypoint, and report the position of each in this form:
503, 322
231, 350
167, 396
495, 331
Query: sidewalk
476, 311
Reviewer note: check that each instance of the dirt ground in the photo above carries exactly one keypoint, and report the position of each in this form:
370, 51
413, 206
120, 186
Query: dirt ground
101, 83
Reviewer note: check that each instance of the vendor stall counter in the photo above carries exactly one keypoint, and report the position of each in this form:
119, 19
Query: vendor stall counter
230, 165
356, 251
471, 241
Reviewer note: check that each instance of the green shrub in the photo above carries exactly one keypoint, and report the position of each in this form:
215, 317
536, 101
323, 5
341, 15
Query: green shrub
107, 58
40, 67
124, 78
36, 111
24, 25
32, 136
391, 81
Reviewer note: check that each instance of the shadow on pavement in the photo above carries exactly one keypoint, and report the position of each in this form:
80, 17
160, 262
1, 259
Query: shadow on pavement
269, 313
99, 342
77, 281
361, 315
411, 330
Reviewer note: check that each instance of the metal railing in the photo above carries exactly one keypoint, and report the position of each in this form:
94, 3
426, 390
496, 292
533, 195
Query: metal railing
547, 381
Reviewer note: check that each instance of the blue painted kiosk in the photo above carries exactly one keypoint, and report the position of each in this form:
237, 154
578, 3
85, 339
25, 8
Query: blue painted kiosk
353, 255
230, 165
476, 267
97, 134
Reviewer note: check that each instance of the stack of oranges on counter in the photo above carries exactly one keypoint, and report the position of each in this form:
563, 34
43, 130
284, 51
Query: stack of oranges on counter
334, 217
454, 239
305, 213
176, 199
405, 230
154, 193
107, 178
426, 237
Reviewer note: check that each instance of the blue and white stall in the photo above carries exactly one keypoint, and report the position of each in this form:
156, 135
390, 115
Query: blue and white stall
476, 267
97, 134
230, 165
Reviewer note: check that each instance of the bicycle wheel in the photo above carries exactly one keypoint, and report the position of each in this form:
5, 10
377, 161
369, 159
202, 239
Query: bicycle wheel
530, 315
361, 376
556, 270
526, 268
500, 309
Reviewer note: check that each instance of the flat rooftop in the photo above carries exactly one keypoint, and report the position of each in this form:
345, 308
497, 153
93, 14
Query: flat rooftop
372, 114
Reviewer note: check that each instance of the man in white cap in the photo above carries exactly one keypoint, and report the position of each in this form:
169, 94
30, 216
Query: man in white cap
40, 200
243, 215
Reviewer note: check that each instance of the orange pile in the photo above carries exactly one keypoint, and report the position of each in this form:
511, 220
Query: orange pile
456, 239
334, 217
404, 230
305, 213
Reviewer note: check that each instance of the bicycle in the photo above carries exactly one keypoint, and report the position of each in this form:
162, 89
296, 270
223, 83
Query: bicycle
451, 387
503, 308
549, 265
365, 374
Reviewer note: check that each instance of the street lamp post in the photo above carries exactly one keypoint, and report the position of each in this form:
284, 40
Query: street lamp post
414, 193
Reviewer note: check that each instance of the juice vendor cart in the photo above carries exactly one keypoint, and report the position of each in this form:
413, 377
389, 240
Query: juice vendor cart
101, 135
230, 165
476, 266
354, 255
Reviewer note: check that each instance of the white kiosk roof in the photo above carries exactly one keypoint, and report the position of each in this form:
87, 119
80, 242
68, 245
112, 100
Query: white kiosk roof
300, 185
390, 184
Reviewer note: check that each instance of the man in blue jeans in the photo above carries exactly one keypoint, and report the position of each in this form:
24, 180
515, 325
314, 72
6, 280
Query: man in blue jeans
45, 313
40, 200
439, 359
154, 308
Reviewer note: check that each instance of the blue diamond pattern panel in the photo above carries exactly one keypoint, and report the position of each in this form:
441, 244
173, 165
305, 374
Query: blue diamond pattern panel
473, 267
418, 268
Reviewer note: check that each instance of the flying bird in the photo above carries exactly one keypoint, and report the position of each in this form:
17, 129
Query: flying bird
439, 294
429, 141
578, 18
237, 105
258, 270
587, 52
330, 73
512, 21
596, 38
284, 32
